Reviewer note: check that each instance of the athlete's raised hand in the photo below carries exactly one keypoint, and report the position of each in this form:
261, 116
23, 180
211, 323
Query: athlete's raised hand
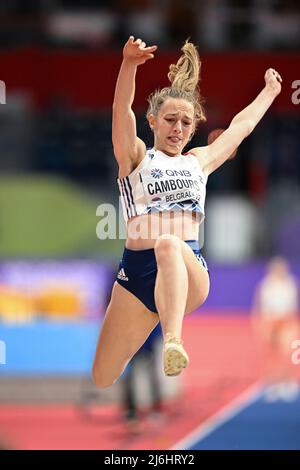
273, 80
137, 52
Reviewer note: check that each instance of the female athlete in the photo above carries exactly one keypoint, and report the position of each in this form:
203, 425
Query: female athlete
163, 275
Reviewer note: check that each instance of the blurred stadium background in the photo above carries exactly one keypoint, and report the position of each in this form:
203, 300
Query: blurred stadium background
59, 61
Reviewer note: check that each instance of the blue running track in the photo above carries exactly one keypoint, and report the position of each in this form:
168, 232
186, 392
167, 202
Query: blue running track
259, 426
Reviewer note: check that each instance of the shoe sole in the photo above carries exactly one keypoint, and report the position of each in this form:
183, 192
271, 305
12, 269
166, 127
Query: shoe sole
174, 362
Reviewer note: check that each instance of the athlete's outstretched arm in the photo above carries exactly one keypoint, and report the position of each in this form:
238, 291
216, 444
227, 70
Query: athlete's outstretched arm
125, 141
215, 154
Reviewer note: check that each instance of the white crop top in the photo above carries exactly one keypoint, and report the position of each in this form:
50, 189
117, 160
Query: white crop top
163, 183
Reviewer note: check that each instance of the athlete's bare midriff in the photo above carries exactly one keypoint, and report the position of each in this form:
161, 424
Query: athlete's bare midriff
143, 230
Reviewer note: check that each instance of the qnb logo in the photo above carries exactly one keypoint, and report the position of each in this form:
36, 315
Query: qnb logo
296, 94
296, 354
2, 92
156, 173
2, 353
178, 173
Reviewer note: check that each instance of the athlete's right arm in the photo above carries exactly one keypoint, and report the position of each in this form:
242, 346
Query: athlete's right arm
128, 148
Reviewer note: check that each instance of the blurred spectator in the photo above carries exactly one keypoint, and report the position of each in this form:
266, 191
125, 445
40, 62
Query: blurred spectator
146, 18
276, 24
215, 24
147, 358
275, 308
81, 28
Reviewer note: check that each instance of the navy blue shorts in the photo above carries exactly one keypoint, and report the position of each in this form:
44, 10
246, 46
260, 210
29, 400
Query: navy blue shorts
137, 272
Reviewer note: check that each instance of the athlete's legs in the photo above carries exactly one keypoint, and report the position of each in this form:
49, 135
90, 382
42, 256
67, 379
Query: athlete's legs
126, 326
182, 284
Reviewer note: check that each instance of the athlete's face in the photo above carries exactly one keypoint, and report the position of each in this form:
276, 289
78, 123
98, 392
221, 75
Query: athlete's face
172, 126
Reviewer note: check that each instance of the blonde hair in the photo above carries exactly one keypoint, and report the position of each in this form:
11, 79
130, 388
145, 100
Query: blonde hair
184, 78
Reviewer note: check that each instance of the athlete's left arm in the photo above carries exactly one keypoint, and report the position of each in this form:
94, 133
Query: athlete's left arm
214, 155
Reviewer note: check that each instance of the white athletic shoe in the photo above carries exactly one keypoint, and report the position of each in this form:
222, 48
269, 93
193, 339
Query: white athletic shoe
175, 357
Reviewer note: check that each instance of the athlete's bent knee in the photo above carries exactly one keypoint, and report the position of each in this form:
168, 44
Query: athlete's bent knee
166, 244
